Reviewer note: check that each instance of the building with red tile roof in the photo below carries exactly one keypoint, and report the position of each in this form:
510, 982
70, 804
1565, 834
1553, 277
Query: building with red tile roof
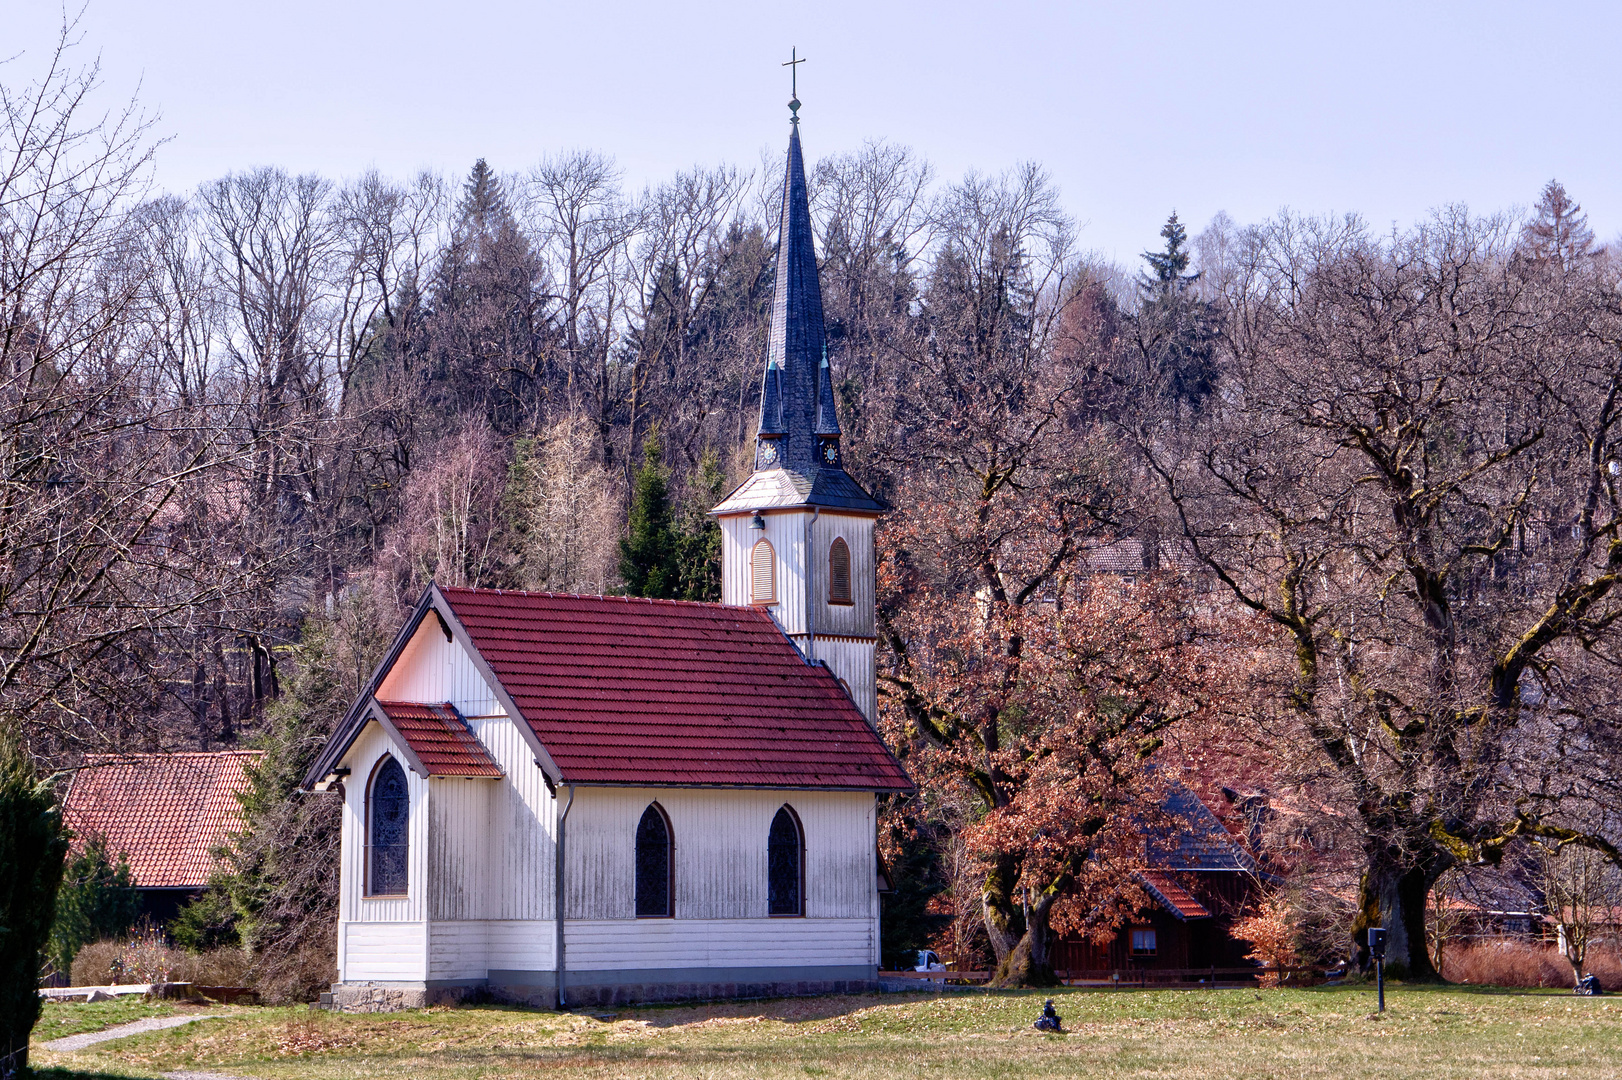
573, 799
166, 814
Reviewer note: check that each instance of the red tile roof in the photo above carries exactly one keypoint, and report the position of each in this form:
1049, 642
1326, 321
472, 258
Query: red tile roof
621, 690
164, 812
441, 739
1165, 888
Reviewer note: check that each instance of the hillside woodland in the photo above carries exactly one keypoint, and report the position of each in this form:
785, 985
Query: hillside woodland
1320, 513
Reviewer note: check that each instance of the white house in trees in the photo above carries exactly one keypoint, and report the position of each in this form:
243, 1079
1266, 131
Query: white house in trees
586, 799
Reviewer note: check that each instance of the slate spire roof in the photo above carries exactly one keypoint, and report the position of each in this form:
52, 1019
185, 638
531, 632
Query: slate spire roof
798, 413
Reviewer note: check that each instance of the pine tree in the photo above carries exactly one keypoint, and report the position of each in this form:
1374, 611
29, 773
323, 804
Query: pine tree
647, 554
1559, 230
1176, 331
1166, 268
33, 846
97, 901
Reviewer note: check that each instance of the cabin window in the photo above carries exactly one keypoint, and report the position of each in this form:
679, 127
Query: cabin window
653, 865
1144, 943
839, 572
763, 574
785, 865
387, 839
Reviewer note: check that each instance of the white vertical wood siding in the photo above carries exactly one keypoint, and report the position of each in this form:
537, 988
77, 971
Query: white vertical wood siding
380, 939
432, 670
856, 618
786, 531
852, 660
719, 839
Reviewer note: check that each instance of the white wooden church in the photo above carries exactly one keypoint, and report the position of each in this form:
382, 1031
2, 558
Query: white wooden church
592, 800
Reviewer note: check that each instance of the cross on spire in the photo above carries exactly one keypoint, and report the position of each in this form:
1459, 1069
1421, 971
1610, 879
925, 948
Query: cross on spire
793, 64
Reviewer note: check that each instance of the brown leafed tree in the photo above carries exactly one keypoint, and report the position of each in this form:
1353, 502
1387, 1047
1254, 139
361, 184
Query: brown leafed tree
1411, 479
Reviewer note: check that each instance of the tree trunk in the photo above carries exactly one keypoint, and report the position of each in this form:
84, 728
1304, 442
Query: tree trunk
1005, 922
1030, 962
1394, 897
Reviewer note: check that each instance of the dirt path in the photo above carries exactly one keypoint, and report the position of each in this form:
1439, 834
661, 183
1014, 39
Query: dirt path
90, 1038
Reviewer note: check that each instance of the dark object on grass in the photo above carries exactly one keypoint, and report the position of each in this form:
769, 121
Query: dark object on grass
1049, 1020
1590, 987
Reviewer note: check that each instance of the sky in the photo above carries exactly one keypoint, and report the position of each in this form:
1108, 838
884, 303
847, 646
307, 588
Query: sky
1390, 110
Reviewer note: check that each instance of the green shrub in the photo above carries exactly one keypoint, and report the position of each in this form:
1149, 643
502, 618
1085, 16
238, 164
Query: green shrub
208, 922
97, 901
32, 849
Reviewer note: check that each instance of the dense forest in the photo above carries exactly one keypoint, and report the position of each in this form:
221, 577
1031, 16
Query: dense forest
1298, 508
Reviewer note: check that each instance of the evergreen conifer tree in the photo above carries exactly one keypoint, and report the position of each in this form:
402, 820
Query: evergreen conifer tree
1176, 330
647, 554
33, 845
97, 901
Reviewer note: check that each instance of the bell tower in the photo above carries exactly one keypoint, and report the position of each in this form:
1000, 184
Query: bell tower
797, 536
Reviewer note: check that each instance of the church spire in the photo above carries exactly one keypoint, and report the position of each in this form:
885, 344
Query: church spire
798, 460
798, 415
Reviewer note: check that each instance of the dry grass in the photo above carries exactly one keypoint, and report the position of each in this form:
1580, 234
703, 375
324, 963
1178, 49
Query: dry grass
1524, 964
1309, 1034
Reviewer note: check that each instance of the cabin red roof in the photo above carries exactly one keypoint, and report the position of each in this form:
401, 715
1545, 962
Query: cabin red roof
441, 739
623, 690
1165, 888
164, 812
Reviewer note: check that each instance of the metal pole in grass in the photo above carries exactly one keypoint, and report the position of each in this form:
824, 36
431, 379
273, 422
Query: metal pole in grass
1377, 950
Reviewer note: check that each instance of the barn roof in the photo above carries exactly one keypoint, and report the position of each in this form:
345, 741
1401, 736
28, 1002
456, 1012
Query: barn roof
165, 813
440, 738
624, 691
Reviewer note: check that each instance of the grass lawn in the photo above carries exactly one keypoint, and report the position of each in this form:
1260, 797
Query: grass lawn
60, 1019
1447, 1032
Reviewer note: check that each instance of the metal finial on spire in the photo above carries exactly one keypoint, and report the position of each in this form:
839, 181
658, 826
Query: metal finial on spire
793, 64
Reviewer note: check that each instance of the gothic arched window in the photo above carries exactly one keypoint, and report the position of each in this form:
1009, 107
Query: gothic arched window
763, 574
387, 839
839, 572
785, 865
653, 880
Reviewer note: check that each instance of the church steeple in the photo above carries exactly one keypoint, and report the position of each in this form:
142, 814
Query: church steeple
797, 398
797, 444
797, 534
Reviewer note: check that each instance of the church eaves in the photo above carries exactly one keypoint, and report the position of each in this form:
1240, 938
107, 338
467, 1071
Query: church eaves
797, 455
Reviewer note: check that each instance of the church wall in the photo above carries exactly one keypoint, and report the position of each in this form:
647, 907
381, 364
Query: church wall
378, 936
852, 661
786, 532
854, 619
521, 855
693, 947
431, 669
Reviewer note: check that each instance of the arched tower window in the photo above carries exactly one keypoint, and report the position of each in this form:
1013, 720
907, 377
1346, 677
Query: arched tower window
763, 573
653, 869
785, 865
387, 836
839, 572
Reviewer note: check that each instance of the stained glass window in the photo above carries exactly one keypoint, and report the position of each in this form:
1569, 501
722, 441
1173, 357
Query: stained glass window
387, 823
784, 864
653, 865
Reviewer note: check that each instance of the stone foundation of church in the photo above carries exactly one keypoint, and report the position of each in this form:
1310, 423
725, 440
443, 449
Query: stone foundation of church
596, 989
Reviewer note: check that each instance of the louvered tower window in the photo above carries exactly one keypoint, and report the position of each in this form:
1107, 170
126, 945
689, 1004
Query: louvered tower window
387, 838
839, 572
763, 574
785, 865
653, 880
